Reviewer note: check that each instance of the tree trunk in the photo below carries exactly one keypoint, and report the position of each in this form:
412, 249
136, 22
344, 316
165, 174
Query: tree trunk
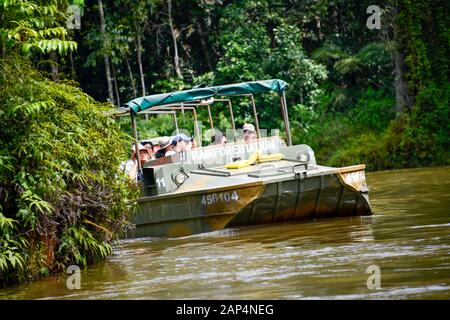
389, 31
73, 73
318, 28
116, 89
204, 46
133, 84
54, 65
109, 80
402, 97
174, 37
139, 56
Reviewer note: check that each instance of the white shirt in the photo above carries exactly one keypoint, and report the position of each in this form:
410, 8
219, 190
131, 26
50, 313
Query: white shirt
126, 166
170, 153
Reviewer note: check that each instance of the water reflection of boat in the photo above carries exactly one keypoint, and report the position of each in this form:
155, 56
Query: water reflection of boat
200, 191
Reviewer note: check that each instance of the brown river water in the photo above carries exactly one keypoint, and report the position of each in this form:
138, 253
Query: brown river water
407, 238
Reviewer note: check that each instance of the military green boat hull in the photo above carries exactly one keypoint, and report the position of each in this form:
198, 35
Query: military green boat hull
252, 196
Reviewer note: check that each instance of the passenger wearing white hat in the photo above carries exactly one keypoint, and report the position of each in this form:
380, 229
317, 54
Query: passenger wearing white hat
165, 149
249, 133
140, 147
131, 166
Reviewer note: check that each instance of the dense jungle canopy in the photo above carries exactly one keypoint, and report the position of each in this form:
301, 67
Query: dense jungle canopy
357, 94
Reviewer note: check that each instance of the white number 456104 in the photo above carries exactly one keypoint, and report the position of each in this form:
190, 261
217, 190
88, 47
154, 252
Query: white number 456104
220, 197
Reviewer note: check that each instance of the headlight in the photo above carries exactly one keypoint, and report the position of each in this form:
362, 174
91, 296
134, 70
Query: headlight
180, 178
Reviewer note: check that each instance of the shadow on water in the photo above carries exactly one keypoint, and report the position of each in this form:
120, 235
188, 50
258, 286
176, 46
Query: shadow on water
407, 237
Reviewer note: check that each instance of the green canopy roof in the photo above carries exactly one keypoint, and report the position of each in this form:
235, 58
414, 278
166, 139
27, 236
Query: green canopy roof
143, 103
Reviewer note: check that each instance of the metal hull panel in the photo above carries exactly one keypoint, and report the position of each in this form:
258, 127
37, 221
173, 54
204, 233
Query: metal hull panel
322, 196
315, 197
188, 214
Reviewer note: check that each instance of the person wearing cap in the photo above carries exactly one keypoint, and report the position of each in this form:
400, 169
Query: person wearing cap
182, 143
177, 144
249, 133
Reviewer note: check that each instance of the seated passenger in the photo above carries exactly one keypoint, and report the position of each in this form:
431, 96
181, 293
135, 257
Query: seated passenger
218, 139
249, 133
165, 149
130, 167
181, 143
150, 149
193, 143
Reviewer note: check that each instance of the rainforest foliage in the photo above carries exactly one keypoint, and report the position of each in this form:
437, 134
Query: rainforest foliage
62, 199
378, 96
356, 94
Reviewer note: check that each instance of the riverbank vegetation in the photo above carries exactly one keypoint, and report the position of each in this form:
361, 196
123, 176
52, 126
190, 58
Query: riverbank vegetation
62, 200
356, 94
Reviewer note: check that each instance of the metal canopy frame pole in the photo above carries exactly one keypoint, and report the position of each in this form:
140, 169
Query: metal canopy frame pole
256, 116
196, 128
286, 118
232, 120
136, 142
210, 119
171, 108
282, 110
159, 112
176, 122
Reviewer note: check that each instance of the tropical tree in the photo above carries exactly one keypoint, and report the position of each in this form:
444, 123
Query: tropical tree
34, 26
